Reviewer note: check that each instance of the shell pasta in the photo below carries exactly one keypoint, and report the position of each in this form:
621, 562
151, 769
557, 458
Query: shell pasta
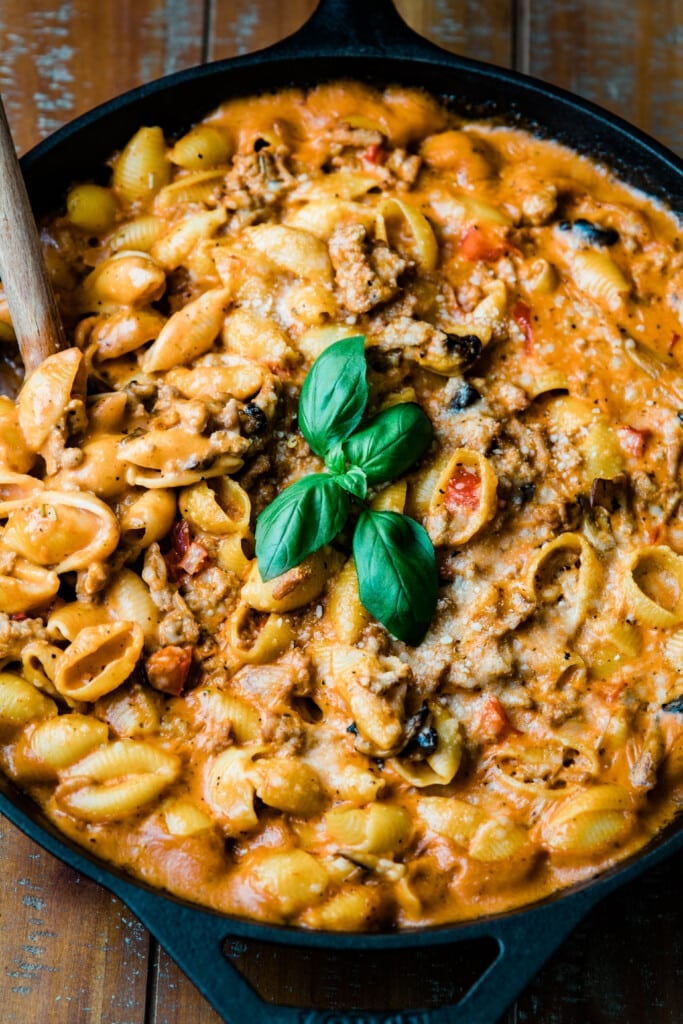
262, 744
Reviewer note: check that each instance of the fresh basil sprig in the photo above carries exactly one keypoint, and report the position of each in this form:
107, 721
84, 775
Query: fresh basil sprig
395, 560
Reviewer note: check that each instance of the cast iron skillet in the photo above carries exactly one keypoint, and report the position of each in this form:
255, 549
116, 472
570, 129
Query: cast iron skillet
365, 40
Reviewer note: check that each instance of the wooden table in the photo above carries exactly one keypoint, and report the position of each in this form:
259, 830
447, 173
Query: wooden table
69, 952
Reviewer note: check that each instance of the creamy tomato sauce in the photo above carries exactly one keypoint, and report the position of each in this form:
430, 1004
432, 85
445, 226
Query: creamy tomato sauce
271, 750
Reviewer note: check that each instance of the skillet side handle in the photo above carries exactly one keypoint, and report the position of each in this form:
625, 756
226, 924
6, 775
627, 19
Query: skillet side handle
357, 28
195, 941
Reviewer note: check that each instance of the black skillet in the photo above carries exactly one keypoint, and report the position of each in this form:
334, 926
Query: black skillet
365, 40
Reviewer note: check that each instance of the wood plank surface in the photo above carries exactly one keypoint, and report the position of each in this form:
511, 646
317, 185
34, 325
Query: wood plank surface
69, 952
624, 56
59, 58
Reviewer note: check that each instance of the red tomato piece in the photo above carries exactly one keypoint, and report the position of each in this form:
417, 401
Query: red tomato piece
195, 559
493, 720
477, 245
168, 668
463, 490
374, 154
632, 441
181, 538
521, 314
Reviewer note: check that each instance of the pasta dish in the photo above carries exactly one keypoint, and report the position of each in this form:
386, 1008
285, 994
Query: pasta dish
341, 556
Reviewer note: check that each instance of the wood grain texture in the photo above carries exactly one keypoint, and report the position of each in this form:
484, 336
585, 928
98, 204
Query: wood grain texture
624, 56
59, 58
69, 952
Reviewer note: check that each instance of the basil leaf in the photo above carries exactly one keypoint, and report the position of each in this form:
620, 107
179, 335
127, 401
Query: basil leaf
335, 460
354, 481
391, 442
397, 574
334, 394
302, 518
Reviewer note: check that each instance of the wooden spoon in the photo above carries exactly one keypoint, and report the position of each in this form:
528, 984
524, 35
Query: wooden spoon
35, 317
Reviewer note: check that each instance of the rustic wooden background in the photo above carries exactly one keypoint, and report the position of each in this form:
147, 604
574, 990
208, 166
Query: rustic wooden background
69, 952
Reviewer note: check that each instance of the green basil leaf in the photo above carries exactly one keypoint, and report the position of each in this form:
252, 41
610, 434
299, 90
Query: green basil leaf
334, 394
354, 481
397, 575
302, 518
335, 460
391, 442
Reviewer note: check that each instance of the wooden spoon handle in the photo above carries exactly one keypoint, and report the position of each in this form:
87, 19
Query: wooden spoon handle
35, 316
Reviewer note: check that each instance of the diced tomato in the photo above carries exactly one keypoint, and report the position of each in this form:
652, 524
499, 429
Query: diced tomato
18, 616
463, 490
655, 534
613, 692
477, 244
521, 314
195, 559
374, 154
181, 538
493, 720
632, 441
168, 668
675, 338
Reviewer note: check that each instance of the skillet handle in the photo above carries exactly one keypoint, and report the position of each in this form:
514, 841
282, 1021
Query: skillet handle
195, 941
357, 28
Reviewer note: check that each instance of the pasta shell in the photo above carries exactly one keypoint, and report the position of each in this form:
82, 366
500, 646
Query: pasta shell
653, 586
27, 588
45, 395
398, 221
596, 274
456, 819
229, 790
188, 333
56, 743
293, 250
20, 703
463, 499
142, 167
128, 599
116, 780
17, 486
125, 332
15, 455
138, 234
65, 623
91, 208
294, 589
174, 247
126, 279
62, 529
98, 660
217, 383
146, 517
289, 879
184, 818
203, 146
193, 188
243, 648
257, 338
288, 785
440, 767
379, 828
224, 508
